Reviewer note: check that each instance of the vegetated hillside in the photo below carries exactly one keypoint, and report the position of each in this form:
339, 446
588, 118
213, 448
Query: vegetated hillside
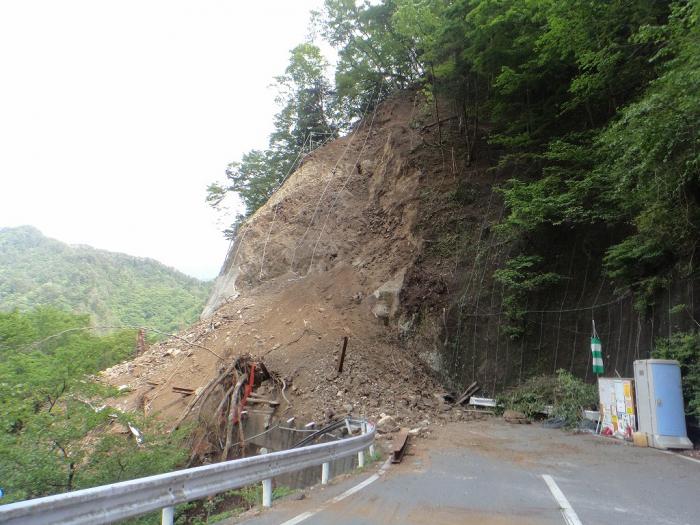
54, 434
386, 236
114, 288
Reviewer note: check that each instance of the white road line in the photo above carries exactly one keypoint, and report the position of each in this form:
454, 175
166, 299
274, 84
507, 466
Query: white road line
566, 509
306, 515
680, 456
300, 518
356, 488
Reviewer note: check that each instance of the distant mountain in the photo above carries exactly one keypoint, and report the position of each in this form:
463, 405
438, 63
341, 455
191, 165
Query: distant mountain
116, 289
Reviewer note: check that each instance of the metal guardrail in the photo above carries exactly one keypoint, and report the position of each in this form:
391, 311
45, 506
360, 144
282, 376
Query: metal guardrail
118, 501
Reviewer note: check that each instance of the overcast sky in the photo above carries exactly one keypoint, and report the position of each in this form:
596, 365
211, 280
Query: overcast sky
114, 116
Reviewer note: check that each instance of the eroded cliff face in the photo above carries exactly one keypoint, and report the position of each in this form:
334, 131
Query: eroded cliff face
333, 254
413, 218
352, 203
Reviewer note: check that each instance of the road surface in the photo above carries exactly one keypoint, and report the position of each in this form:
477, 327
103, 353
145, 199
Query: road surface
490, 472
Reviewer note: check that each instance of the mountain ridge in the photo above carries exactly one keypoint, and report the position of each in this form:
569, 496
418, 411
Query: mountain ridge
113, 287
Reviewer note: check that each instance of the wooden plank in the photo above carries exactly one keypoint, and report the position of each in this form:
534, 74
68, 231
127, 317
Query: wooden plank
400, 444
261, 400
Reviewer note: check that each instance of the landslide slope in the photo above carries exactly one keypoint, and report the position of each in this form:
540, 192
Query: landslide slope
358, 242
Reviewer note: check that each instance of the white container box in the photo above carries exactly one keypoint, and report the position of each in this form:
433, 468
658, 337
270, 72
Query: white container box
660, 403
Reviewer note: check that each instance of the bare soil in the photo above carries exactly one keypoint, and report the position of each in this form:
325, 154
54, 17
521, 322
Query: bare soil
338, 251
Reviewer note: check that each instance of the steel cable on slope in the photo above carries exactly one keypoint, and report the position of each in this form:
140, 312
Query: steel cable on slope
274, 215
347, 179
248, 225
318, 203
496, 251
563, 310
462, 299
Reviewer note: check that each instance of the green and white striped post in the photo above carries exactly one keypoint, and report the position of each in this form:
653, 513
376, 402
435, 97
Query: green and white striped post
597, 353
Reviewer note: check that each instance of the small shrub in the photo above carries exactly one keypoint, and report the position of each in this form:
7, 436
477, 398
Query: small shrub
566, 393
529, 398
571, 395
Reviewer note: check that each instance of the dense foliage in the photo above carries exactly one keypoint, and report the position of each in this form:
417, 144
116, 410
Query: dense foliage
55, 433
595, 106
685, 348
566, 394
115, 289
304, 121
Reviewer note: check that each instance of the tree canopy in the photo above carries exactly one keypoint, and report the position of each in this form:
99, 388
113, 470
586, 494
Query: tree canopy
55, 433
305, 119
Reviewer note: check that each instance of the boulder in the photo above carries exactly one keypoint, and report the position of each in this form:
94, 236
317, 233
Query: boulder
386, 424
385, 299
512, 416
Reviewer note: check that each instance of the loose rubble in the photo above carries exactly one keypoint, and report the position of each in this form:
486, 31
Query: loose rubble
307, 270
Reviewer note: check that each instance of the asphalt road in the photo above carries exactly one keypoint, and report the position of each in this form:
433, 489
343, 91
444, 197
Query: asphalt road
490, 472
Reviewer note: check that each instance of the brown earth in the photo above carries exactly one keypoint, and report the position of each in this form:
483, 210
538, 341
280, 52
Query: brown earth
355, 243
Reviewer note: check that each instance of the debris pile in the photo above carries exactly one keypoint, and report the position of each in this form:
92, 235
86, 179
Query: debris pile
329, 260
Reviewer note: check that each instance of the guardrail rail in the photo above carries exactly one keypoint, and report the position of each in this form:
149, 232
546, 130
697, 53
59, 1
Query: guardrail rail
127, 499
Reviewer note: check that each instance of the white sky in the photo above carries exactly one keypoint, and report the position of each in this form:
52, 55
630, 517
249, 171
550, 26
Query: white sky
114, 116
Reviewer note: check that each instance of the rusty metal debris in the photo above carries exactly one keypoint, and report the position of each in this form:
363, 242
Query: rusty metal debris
400, 445
342, 355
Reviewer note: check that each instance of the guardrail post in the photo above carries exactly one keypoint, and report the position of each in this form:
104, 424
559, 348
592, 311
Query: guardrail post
266, 487
361, 453
371, 447
325, 473
168, 516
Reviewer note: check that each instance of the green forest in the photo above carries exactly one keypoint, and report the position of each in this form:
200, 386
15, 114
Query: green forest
116, 290
56, 434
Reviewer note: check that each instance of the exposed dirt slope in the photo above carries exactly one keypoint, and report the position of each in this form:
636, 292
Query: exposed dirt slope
333, 253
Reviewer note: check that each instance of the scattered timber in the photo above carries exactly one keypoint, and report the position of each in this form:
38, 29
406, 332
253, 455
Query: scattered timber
183, 390
342, 355
469, 392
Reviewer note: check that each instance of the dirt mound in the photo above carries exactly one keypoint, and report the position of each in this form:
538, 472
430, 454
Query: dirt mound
333, 254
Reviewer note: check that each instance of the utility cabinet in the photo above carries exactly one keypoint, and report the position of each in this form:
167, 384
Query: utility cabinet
660, 403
